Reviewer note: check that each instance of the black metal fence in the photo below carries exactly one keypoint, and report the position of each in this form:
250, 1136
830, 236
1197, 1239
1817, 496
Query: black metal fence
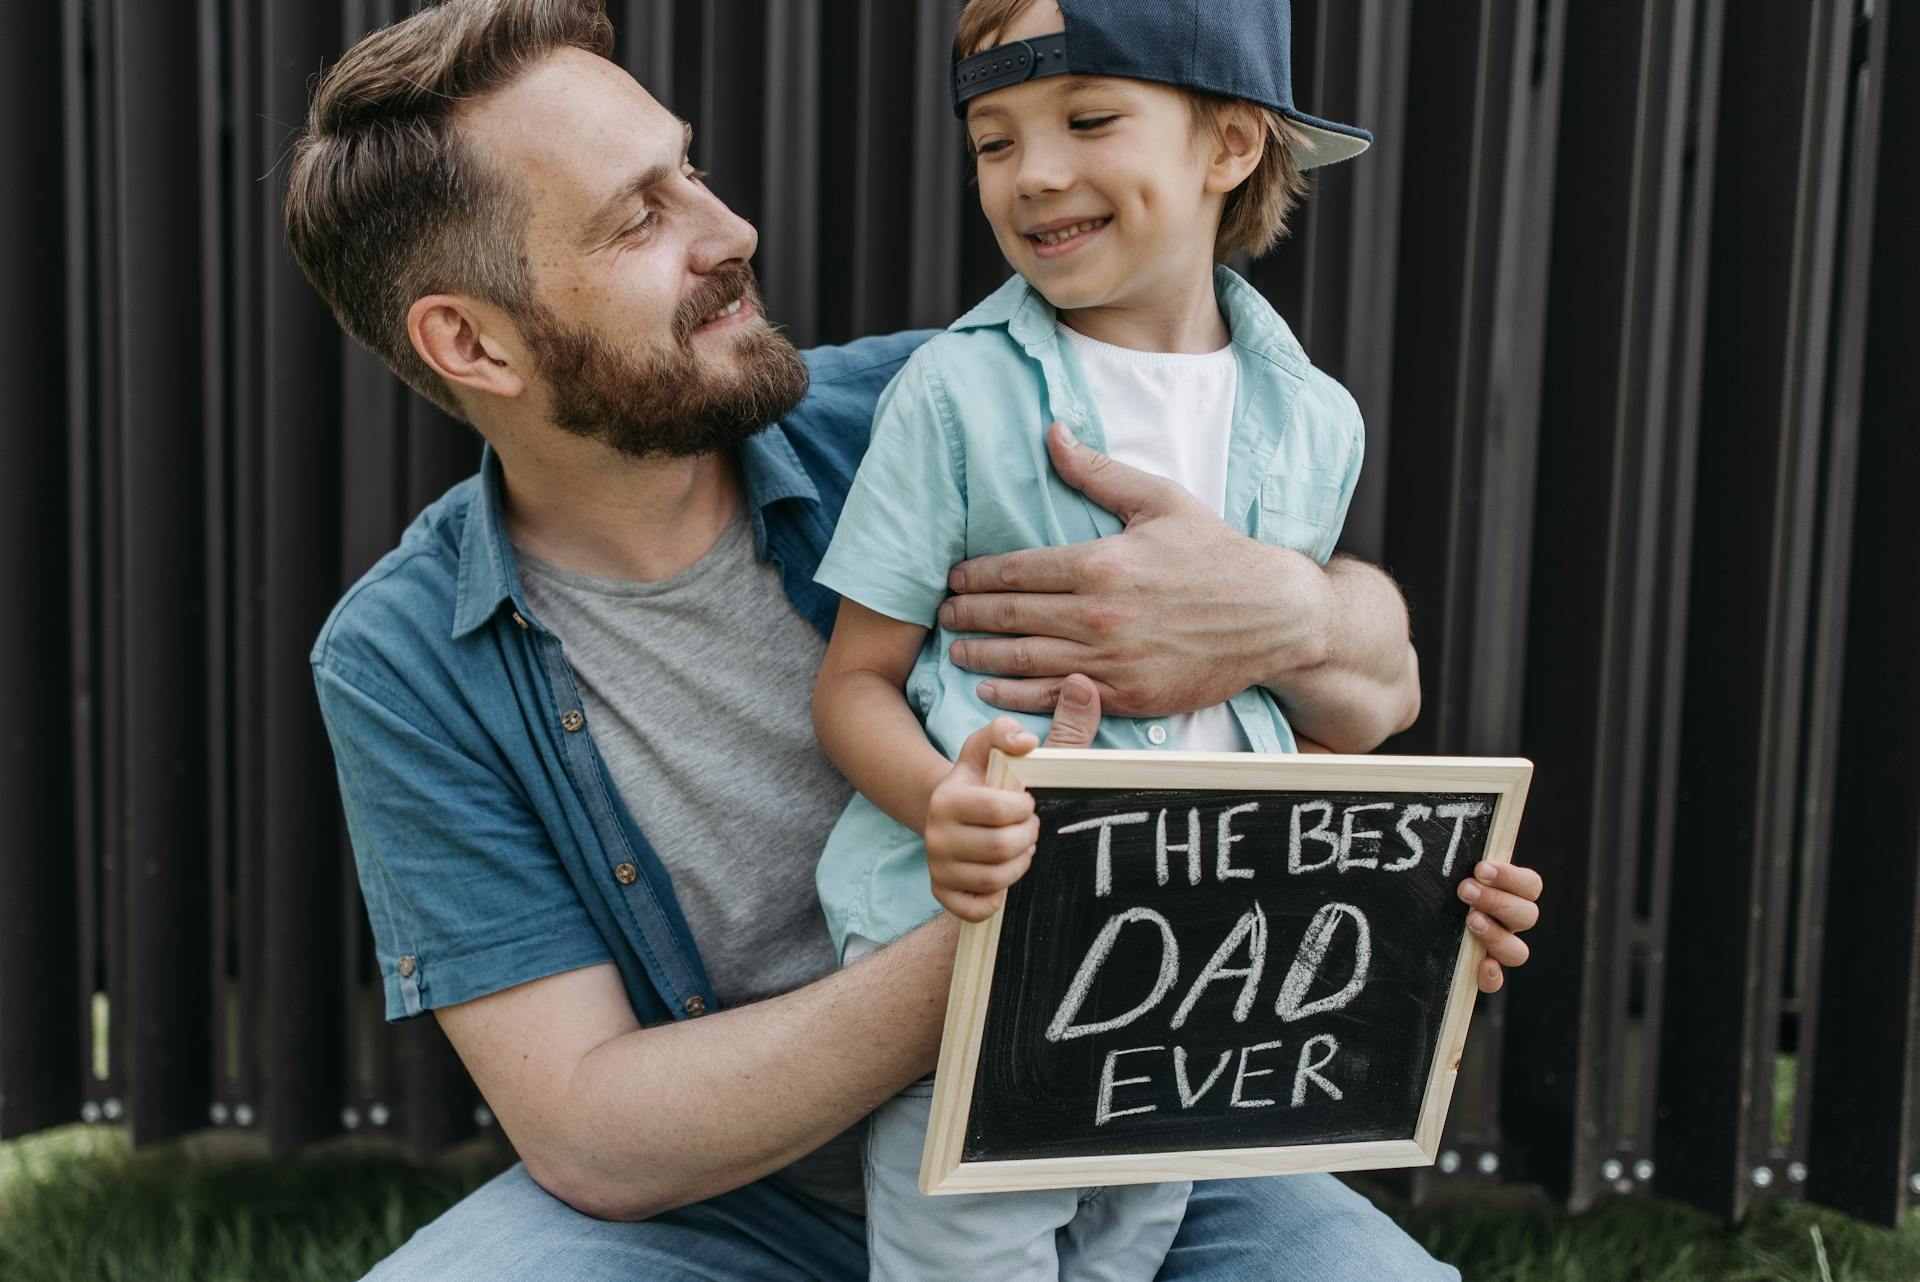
1627, 290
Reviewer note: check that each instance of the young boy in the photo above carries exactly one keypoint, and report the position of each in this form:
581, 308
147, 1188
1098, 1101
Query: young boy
1124, 147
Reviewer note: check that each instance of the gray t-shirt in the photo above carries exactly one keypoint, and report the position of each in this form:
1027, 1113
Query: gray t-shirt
697, 692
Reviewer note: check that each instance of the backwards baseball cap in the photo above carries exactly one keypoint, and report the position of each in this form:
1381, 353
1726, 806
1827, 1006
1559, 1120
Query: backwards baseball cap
1235, 48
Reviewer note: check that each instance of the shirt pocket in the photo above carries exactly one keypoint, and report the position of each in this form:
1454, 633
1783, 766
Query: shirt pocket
1302, 511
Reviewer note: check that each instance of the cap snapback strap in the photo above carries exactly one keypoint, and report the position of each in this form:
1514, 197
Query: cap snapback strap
1009, 64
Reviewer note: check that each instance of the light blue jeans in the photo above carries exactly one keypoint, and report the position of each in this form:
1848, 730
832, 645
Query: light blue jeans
1116, 1234
1310, 1227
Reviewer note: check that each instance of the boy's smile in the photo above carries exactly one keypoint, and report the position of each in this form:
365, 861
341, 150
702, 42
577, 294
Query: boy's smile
1064, 235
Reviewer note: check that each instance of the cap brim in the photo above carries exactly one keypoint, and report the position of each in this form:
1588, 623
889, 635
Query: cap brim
1325, 145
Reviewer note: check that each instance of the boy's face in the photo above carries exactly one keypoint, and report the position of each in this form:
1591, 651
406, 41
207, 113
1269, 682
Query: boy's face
1096, 187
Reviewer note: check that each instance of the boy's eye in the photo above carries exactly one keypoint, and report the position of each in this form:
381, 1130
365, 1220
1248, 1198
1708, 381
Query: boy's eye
992, 145
1092, 122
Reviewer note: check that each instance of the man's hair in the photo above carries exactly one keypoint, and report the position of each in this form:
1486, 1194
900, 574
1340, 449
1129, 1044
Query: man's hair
387, 203
1255, 216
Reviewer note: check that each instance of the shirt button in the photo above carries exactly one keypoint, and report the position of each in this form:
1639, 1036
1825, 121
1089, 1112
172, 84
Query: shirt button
695, 1006
626, 874
517, 619
1156, 735
571, 720
406, 968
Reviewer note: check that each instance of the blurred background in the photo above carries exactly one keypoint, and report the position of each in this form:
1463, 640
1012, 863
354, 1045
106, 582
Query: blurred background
1629, 293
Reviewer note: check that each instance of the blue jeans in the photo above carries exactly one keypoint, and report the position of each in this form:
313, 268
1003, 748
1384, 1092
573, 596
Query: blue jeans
1294, 1226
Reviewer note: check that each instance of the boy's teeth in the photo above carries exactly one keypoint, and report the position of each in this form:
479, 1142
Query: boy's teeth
1065, 233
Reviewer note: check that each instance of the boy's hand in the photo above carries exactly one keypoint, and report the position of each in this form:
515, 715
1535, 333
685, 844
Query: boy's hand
981, 839
1502, 898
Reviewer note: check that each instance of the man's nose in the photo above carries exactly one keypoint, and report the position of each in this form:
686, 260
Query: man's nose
726, 237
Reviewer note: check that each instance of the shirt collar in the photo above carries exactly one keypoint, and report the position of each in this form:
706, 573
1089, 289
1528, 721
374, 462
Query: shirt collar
1255, 326
490, 574
1024, 310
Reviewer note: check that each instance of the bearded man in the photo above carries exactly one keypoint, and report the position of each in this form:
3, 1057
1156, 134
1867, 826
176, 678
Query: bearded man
570, 710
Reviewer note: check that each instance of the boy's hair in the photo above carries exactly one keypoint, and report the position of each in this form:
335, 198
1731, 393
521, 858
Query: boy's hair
1255, 216
387, 203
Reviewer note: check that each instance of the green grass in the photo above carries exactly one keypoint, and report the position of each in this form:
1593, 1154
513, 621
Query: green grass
75, 1204
1638, 1239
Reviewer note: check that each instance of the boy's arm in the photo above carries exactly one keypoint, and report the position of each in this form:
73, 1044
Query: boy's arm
978, 838
861, 717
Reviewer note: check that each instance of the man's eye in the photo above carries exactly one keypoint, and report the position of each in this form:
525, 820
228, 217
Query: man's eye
639, 227
696, 175
1092, 122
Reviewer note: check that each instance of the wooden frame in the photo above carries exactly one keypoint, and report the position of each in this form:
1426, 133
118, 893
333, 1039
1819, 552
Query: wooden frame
942, 1169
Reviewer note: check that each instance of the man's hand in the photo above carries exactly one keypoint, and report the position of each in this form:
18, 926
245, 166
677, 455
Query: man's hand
1179, 611
980, 840
1502, 897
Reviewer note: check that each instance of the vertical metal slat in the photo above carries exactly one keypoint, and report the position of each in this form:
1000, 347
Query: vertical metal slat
40, 993
300, 1024
1864, 1152
163, 884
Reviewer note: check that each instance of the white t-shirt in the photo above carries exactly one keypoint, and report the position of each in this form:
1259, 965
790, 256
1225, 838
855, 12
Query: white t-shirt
1170, 413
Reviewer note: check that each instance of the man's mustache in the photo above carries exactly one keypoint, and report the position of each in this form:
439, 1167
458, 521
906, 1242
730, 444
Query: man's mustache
719, 289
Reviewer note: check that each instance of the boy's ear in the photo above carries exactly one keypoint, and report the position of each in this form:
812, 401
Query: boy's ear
468, 343
1240, 140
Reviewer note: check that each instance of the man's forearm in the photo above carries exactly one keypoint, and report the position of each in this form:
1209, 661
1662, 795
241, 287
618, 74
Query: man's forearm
1364, 683
665, 1116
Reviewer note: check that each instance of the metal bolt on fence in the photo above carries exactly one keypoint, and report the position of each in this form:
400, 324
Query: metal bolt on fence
1449, 1162
111, 1110
1488, 1163
482, 1116
217, 1113
379, 1114
243, 1115
1610, 1170
89, 1112
1796, 1172
1762, 1177
1643, 1169
350, 1118
1913, 1183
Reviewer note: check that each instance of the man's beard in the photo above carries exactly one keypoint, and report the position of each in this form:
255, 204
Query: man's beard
670, 402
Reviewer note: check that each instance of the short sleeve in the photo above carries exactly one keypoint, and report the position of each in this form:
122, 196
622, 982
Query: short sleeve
1308, 499
1350, 475
904, 525
464, 890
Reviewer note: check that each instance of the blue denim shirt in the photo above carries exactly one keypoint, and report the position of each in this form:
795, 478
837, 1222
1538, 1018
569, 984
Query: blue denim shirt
492, 846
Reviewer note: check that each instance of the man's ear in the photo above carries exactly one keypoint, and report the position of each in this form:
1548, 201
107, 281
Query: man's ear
1240, 140
468, 343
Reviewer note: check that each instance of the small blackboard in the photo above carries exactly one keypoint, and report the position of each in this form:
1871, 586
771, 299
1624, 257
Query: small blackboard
1219, 965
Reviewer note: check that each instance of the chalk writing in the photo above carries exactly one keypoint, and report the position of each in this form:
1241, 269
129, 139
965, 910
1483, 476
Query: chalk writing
1201, 970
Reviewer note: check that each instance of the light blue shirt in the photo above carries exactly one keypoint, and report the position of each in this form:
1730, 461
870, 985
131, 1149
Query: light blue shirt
958, 468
